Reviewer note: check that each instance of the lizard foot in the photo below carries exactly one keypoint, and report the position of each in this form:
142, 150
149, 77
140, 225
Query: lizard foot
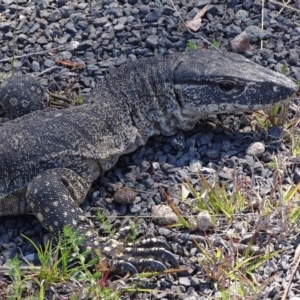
141, 256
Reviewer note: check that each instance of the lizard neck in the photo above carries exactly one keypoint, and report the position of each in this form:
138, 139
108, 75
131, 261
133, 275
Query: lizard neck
145, 89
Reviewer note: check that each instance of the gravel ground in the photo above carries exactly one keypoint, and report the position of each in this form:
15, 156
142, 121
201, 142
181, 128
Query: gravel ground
99, 36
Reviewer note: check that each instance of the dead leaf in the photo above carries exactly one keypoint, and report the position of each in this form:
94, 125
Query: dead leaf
195, 24
69, 64
185, 191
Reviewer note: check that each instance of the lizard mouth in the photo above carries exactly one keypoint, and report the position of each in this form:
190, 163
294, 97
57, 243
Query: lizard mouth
219, 108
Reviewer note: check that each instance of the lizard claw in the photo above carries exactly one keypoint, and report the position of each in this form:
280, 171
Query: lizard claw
148, 264
138, 254
121, 266
141, 256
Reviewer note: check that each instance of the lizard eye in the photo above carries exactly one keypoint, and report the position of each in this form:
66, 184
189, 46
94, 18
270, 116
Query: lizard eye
226, 86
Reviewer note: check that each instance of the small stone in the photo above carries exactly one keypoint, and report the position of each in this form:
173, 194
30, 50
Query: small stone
5, 27
125, 196
204, 221
183, 160
155, 166
123, 20
4, 238
296, 177
226, 145
30, 257
195, 282
152, 40
145, 166
82, 5
42, 40
34, 28
195, 165
256, 149
135, 208
84, 45
144, 9
241, 43
164, 215
247, 4
284, 262
167, 10
35, 66
67, 11
8, 36
55, 16
3, 7
119, 27
22, 38
100, 21
203, 138
213, 153
241, 14
293, 57
255, 33
184, 281
93, 70
178, 141
70, 28
274, 132
59, 3
153, 16
64, 39
164, 231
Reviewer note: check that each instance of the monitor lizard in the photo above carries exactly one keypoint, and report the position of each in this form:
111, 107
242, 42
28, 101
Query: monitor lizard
49, 158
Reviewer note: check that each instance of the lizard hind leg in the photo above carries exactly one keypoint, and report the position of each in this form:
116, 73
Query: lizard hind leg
54, 197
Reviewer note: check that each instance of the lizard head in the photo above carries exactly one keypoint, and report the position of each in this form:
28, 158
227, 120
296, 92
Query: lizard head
210, 82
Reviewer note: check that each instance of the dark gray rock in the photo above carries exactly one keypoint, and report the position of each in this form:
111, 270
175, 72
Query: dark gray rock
153, 16
84, 45
274, 132
55, 16
184, 281
35, 66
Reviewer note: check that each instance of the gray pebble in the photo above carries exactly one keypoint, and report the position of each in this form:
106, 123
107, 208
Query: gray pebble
119, 27
153, 16
204, 221
274, 132
195, 166
256, 149
241, 14
213, 154
164, 215
152, 40
184, 281
35, 66
125, 196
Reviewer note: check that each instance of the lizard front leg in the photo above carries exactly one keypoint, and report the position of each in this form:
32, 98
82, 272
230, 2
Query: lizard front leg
21, 95
54, 197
